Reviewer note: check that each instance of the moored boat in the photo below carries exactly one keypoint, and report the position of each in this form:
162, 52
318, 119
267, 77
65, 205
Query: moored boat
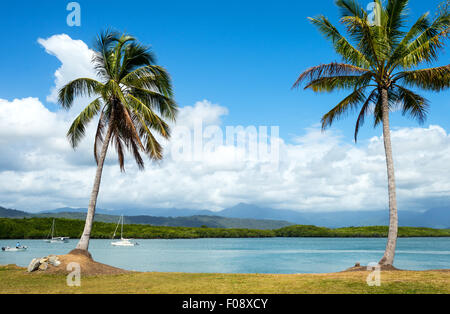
122, 241
54, 239
14, 249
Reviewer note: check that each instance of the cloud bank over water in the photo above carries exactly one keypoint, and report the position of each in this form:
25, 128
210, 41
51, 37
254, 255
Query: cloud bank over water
316, 171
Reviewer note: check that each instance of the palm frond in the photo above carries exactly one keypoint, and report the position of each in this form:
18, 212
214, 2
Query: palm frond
329, 84
377, 111
166, 106
420, 26
349, 53
328, 70
378, 50
152, 147
435, 79
78, 88
134, 148
137, 96
365, 109
153, 78
370, 42
356, 19
136, 56
131, 127
413, 104
151, 119
126, 135
396, 13
351, 8
104, 53
98, 142
347, 104
426, 46
78, 128
117, 140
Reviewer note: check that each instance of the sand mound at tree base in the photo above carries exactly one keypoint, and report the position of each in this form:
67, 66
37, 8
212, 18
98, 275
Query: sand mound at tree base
82, 253
365, 268
88, 266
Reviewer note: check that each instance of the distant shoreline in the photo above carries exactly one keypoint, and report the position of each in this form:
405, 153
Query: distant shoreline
38, 228
303, 237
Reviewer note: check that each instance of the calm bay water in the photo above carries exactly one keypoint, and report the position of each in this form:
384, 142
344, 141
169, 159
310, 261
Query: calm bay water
272, 255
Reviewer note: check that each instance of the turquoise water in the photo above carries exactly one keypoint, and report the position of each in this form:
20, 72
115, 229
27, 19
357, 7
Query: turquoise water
272, 255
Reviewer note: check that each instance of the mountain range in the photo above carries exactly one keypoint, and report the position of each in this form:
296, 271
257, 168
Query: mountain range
252, 216
184, 221
433, 218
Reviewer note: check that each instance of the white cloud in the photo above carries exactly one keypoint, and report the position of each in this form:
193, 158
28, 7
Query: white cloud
75, 57
203, 111
317, 171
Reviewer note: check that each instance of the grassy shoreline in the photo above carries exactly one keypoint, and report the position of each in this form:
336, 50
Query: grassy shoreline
15, 280
38, 228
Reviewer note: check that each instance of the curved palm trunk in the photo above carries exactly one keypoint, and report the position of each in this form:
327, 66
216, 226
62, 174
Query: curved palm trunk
83, 244
388, 258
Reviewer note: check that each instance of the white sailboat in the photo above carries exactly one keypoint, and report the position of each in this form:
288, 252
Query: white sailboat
54, 239
122, 242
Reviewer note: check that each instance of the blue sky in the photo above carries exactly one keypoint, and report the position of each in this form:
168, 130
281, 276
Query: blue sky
240, 57
244, 55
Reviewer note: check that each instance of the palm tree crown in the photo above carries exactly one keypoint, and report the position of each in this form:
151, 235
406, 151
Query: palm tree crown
380, 55
133, 98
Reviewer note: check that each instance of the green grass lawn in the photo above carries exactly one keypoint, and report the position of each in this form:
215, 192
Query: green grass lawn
16, 280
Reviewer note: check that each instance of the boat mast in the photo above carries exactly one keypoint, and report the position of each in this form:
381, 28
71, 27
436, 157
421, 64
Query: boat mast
53, 227
121, 231
114, 235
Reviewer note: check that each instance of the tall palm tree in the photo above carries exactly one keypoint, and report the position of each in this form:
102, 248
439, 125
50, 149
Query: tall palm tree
380, 65
133, 97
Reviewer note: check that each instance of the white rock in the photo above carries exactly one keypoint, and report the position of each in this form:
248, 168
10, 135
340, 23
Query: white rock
43, 266
34, 265
52, 259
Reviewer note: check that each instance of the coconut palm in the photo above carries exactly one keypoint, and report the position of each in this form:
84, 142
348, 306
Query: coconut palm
133, 97
380, 65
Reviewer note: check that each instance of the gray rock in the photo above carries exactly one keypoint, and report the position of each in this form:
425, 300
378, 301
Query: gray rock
34, 265
53, 260
43, 266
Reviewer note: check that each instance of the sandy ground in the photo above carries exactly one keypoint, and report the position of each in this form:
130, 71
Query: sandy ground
89, 267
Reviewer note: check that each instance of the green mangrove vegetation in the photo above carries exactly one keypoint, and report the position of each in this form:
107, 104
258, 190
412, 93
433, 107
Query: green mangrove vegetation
38, 228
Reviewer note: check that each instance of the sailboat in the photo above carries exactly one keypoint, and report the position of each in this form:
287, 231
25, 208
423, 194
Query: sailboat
54, 239
122, 242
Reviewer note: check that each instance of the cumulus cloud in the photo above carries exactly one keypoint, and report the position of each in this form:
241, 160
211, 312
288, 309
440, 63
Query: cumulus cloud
315, 172
75, 57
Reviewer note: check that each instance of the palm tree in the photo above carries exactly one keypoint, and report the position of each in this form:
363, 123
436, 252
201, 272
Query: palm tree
380, 65
133, 98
